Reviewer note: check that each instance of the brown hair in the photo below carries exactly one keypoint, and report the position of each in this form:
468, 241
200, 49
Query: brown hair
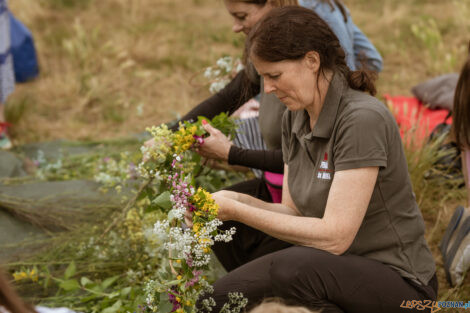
10, 300
283, 3
461, 112
288, 33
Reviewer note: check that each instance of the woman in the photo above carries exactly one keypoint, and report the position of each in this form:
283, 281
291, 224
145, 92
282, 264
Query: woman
348, 211
7, 79
246, 13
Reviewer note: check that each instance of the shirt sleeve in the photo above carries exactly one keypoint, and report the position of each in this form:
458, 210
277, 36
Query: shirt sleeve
229, 99
365, 50
361, 141
266, 160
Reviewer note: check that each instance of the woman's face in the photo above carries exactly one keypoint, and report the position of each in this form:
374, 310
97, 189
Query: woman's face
246, 15
292, 81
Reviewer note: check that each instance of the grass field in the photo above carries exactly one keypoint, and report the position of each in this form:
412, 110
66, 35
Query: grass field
113, 67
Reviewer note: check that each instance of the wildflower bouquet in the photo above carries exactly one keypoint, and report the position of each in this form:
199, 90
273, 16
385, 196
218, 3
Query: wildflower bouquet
170, 161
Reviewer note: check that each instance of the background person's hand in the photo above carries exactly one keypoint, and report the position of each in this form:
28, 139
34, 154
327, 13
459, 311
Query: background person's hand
216, 146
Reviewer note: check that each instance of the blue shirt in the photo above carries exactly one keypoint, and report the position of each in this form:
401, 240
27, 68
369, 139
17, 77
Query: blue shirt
355, 44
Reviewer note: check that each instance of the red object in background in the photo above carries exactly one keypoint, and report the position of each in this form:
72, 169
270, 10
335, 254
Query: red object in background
414, 118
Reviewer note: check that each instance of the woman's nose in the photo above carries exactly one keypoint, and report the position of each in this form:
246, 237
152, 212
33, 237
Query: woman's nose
268, 86
237, 27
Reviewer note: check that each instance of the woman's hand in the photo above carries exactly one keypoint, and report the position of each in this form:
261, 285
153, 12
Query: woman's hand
188, 218
216, 146
225, 205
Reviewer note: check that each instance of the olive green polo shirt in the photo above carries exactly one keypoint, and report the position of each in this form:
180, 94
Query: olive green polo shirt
271, 110
355, 130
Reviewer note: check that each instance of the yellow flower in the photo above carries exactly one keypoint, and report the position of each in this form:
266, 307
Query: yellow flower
178, 261
178, 299
188, 303
179, 277
20, 275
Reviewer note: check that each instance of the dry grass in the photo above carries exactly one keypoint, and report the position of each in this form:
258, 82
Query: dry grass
113, 67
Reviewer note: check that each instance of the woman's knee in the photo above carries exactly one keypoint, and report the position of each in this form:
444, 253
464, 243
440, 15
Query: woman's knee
300, 270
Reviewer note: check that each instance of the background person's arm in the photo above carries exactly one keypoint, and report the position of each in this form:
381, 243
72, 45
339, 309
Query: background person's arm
365, 51
229, 99
217, 146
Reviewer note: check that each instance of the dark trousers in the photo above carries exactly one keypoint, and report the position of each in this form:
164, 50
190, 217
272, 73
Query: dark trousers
261, 266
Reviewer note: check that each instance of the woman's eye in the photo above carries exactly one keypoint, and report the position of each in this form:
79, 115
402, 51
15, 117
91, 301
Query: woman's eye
240, 17
274, 76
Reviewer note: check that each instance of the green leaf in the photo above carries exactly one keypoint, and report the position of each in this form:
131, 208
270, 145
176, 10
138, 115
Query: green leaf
125, 291
164, 306
114, 295
108, 282
85, 281
163, 200
70, 271
69, 285
114, 308
171, 283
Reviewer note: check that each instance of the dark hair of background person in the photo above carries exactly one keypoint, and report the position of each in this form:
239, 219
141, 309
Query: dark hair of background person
10, 300
461, 111
288, 33
281, 3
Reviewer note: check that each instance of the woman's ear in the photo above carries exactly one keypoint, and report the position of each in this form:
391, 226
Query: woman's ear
312, 59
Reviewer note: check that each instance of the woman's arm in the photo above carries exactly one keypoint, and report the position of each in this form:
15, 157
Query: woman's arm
229, 99
347, 204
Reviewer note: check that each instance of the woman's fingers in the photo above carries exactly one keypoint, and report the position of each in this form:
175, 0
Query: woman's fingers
188, 218
216, 146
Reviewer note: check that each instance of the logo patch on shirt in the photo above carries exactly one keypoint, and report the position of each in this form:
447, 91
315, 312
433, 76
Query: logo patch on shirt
324, 173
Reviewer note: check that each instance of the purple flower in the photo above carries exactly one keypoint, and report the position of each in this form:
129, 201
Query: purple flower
199, 139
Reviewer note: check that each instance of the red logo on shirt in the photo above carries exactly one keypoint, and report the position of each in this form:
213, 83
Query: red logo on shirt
324, 172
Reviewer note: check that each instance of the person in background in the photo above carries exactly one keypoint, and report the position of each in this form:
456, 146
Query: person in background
7, 78
10, 302
461, 118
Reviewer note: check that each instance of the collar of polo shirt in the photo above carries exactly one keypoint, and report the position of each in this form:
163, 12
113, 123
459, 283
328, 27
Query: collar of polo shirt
324, 126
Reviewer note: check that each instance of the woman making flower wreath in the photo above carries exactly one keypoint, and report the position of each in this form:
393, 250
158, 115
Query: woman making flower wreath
349, 218
245, 14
